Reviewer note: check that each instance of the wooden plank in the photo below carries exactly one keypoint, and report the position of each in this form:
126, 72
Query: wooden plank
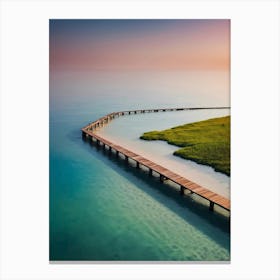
190, 185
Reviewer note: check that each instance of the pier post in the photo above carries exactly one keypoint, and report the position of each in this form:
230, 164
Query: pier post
117, 153
137, 164
126, 159
98, 142
104, 146
211, 206
110, 149
84, 135
182, 190
150, 171
161, 178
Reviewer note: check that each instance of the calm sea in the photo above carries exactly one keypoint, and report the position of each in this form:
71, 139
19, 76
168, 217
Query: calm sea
101, 208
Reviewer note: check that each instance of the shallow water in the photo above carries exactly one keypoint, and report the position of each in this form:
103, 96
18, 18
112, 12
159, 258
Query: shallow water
127, 130
103, 209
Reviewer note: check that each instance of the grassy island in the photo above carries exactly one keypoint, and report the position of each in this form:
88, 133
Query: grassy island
206, 142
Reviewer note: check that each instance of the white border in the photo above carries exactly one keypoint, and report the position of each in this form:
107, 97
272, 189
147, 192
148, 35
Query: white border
255, 130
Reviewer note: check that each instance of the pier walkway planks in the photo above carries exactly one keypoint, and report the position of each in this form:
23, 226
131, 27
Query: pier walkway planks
165, 174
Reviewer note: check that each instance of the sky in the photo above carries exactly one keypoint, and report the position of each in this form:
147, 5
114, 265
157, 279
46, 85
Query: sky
140, 44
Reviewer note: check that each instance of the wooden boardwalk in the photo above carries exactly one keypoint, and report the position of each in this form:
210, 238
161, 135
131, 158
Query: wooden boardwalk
164, 173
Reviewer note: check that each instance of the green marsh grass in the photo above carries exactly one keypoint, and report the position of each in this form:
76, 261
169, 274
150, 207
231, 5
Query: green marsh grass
206, 142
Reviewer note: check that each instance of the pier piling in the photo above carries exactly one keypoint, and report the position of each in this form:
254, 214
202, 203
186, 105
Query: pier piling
182, 190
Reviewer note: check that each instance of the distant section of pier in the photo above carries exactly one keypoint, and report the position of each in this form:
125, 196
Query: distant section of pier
164, 174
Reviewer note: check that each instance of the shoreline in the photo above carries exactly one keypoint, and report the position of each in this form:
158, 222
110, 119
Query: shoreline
176, 164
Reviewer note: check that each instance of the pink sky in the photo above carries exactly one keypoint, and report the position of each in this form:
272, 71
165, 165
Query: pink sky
133, 45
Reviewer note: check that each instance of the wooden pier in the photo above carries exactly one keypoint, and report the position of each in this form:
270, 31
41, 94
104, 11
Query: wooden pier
164, 174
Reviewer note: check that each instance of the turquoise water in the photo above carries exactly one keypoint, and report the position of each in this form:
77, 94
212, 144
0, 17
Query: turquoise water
102, 209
